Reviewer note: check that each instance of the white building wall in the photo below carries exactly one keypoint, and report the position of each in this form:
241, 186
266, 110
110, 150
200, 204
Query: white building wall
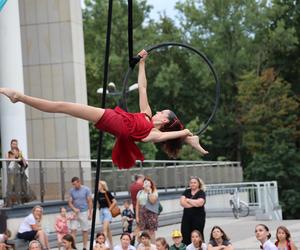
12, 116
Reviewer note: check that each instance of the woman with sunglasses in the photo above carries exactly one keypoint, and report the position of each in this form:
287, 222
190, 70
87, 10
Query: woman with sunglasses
193, 201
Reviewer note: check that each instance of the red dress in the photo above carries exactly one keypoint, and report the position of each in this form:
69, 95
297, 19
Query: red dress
127, 128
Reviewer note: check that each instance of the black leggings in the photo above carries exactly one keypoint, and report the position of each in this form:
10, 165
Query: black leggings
29, 235
190, 223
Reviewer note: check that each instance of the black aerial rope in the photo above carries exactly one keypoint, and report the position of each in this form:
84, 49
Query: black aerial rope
201, 55
105, 77
130, 32
132, 60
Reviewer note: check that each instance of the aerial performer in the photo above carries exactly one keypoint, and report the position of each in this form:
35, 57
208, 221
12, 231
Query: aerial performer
163, 127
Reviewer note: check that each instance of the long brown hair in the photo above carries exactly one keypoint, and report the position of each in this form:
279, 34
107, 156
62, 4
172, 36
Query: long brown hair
200, 236
284, 229
153, 186
224, 236
172, 147
69, 238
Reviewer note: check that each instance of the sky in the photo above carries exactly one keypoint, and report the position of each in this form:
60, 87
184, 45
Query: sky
162, 5
158, 6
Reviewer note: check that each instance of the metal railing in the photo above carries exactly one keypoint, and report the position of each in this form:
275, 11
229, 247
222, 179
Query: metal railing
260, 196
50, 178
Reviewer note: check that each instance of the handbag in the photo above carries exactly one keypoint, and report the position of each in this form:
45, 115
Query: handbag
115, 211
154, 207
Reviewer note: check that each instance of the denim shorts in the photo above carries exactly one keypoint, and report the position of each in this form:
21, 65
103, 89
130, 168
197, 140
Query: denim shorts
105, 215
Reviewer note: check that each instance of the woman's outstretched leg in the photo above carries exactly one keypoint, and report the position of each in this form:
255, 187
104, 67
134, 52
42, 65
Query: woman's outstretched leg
82, 111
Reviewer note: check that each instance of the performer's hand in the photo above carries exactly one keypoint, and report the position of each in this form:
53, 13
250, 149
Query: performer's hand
188, 132
143, 54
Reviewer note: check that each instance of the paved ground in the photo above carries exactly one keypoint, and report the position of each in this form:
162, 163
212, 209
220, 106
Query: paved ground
240, 231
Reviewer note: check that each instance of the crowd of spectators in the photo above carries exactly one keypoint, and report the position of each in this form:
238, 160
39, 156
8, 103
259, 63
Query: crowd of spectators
145, 213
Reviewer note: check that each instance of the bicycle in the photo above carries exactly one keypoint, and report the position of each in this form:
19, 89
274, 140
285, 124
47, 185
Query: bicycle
239, 208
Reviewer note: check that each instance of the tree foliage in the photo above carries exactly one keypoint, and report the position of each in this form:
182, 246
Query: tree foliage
268, 114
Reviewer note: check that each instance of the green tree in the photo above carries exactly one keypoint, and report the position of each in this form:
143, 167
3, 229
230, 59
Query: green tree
284, 32
268, 114
224, 30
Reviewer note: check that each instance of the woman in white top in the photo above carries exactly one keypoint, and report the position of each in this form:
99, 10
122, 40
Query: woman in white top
263, 236
146, 219
197, 241
125, 243
31, 229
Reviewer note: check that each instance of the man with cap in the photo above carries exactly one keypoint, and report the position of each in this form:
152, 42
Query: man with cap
177, 239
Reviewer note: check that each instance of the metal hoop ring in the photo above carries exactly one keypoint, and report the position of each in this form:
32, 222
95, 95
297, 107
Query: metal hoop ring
203, 57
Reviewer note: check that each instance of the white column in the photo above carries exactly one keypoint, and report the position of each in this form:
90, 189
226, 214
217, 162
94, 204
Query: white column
12, 116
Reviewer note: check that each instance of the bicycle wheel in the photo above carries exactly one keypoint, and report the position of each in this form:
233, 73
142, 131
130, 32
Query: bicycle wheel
244, 209
234, 209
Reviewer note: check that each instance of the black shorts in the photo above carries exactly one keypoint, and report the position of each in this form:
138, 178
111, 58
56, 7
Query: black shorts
29, 235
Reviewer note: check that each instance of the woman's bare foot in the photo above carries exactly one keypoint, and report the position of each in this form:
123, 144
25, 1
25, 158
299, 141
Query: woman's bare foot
11, 94
194, 142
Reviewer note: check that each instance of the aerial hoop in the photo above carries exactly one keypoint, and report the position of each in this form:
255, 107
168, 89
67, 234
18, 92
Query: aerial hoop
135, 60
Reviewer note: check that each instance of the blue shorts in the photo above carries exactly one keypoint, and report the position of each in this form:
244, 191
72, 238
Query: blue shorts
105, 215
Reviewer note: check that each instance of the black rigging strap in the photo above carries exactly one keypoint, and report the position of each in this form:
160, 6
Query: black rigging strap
105, 77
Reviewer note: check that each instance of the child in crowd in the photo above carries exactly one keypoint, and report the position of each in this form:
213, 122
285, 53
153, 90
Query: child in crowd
197, 241
283, 239
127, 217
61, 226
68, 242
263, 235
161, 243
145, 242
100, 242
177, 239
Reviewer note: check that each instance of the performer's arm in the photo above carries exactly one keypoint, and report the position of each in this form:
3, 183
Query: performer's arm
142, 82
158, 136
